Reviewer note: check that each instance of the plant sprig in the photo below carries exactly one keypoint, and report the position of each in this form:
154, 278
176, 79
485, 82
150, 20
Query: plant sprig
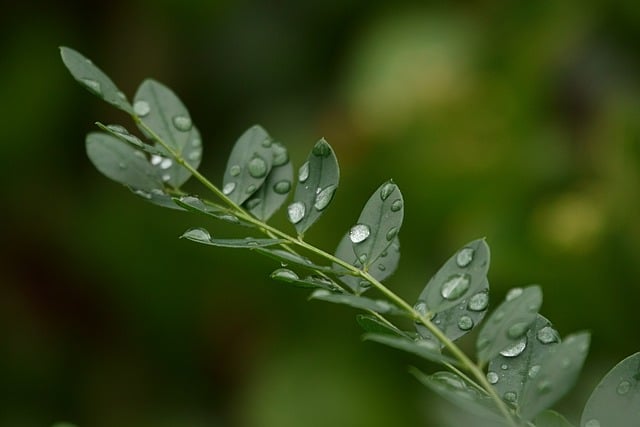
523, 367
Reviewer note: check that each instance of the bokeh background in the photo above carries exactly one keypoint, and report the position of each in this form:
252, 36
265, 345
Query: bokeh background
518, 121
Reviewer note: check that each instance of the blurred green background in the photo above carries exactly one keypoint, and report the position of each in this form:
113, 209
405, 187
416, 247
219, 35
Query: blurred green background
518, 121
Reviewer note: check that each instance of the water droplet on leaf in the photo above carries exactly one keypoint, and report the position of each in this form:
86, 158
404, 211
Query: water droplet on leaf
386, 190
166, 177
257, 167
303, 172
266, 143
465, 323
93, 86
514, 293
182, 123
421, 307
455, 286
479, 302
359, 233
296, 212
324, 197
228, 188
141, 108
282, 187
234, 170
252, 203
194, 155
155, 160
321, 149
280, 154
198, 234
517, 330
548, 335
392, 233
165, 164
515, 350
464, 257
396, 205
492, 377
533, 371
623, 387
284, 274
382, 267
250, 189
510, 397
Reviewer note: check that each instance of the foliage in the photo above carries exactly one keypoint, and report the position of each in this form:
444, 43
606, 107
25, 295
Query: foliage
523, 366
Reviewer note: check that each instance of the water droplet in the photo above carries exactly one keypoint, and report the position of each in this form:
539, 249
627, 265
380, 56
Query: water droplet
428, 344
623, 387
165, 164
465, 323
93, 86
257, 167
252, 203
363, 258
382, 267
118, 129
455, 286
324, 197
141, 108
155, 160
359, 233
464, 257
384, 254
296, 212
194, 155
266, 143
121, 95
282, 187
386, 190
533, 371
396, 205
479, 301
321, 293
321, 149
234, 170
510, 397
166, 177
383, 306
548, 335
182, 123
517, 330
196, 142
228, 188
515, 350
504, 366
592, 423
514, 293
544, 387
250, 189
492, 377
303, 172
198, 234
421, 307
280, 154
498, 315
284, 274
392, 233
122, 165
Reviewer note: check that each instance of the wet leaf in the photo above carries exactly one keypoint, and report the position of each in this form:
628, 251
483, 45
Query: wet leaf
163, 112
200, 235
94, 79
314, 282
559, 371
318, 180
508, 324
124, 135
616, 399
425, 349
197, 205
288, 259
374, 325
463, 275
551, 418
379, 306
157, 197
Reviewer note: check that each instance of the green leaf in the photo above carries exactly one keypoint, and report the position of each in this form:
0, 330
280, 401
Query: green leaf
379, 306
463, 275
249, 164
124, 135
318, 180
458, 320
423, 348
559, 371
197, 205
508, 324
163, 112
93, 79
378, 224
315, 282
121, 162
275, 190
200, 235
287, 259
516, 366
383, 266
616, 400
461, 393
551, 418
157, 197
374, 325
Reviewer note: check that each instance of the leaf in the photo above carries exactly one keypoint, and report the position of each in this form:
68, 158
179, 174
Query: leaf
374, 325
287, 258
249, 164
157, 197
318, 180
616, 399
378, 224
314, 282
551, 418
458, 320
559, 371
196, 205
508, 324
163, 112
461, 393
200, 235
121, 162
379, 306
463, 275
425, 349
94, 79
275, 190
516, 366
383, 266
124, 135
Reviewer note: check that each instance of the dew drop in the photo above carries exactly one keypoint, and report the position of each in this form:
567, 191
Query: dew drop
515, 350
479, 301
547, 335
623, 387
504, 366
182, 123
386, 190
155, 160
324, 197
252, 203
492, 377
517, 330
93, 86
396, 205
421, 308
429, 345
121, 95
544, 387
141, 108
257, 167
510, 397
321, 149
592, 423
359, 233
165, 164
465, 323
513, 294
464, 257
166, 177
455, 286
498, 316
382, 267
280, 155
228, 188
234, 170
196, 142
533, 371
282, 187
303, 172
251, 189
284, 274
296, 212
363, 258
393, 232
118, 129
198, 234
383, 306
122, 165
266, 143
194, 155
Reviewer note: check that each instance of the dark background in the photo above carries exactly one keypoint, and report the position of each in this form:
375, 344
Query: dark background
518, 121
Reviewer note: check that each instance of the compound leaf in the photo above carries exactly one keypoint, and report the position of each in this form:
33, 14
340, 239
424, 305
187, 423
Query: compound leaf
423, 348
